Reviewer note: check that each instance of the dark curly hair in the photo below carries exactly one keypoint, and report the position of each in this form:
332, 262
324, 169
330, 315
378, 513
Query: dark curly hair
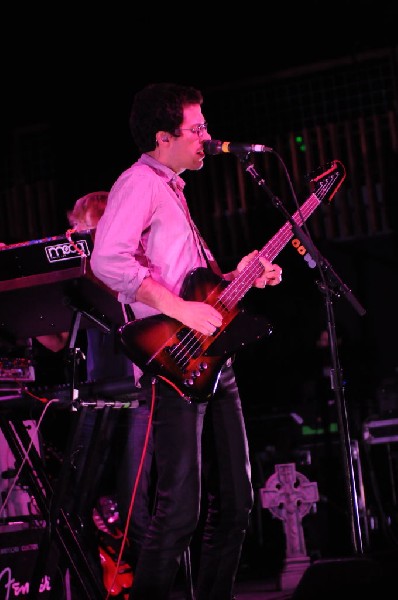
159, 107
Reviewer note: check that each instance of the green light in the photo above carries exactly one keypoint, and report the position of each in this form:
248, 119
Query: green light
307, 430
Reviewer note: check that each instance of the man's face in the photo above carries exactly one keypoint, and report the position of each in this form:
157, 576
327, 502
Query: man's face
186, 151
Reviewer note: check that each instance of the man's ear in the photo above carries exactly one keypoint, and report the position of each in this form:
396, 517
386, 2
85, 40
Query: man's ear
162, 136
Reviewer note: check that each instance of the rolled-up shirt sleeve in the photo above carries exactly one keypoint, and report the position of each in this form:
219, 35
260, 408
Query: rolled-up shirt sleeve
118, 256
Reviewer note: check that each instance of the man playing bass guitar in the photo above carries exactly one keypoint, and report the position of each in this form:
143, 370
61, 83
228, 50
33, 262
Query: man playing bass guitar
145, 249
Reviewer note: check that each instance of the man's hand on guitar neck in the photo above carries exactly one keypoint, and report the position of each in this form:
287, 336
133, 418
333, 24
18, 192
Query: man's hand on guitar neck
272, 274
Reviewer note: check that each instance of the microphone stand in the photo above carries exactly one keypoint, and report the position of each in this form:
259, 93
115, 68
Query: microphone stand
330, 285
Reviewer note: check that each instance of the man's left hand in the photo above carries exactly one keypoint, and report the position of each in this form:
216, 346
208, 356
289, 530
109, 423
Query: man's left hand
272, 274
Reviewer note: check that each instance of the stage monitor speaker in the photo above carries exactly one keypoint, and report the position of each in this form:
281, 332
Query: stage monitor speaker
343, 578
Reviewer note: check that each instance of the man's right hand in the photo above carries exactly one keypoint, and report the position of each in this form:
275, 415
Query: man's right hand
200, 316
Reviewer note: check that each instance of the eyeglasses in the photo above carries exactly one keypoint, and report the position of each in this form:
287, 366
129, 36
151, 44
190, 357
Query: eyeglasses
195, 129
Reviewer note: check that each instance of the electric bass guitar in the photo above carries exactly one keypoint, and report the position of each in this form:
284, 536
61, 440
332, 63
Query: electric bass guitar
190, 361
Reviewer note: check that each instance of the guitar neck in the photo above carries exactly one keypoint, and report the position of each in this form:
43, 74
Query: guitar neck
236, 290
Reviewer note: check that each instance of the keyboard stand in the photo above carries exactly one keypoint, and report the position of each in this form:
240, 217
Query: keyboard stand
60, 535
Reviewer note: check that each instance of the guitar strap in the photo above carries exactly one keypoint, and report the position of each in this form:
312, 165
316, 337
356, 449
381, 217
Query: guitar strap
205, 250
203, 247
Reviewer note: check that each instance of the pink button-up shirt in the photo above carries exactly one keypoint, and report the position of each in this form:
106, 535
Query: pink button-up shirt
145, 230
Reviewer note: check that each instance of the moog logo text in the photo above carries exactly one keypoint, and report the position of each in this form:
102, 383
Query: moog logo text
67, 251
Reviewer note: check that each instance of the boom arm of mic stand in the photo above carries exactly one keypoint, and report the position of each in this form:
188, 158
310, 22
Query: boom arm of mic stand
338, 286
337, 383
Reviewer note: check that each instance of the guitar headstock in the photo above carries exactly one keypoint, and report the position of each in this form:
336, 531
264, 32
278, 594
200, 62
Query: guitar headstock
326, 180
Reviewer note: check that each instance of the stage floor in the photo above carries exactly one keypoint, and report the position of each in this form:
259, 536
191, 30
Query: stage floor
247, 590
326, 579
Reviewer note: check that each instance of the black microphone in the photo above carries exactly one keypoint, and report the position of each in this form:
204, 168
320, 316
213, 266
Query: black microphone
217, 147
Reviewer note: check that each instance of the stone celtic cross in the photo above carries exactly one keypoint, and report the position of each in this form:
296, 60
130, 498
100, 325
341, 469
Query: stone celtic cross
289, 496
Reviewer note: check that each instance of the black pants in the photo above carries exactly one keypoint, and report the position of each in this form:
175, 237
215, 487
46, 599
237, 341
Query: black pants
177, 439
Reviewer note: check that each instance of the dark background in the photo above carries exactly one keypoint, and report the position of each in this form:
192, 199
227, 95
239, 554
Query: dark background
77, 69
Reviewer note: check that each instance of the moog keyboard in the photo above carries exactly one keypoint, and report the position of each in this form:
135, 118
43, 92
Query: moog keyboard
43, 281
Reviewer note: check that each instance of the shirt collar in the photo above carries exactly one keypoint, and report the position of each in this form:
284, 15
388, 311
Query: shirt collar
172, 178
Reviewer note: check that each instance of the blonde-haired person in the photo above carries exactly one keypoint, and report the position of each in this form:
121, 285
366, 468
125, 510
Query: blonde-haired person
85, 214
87, 210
